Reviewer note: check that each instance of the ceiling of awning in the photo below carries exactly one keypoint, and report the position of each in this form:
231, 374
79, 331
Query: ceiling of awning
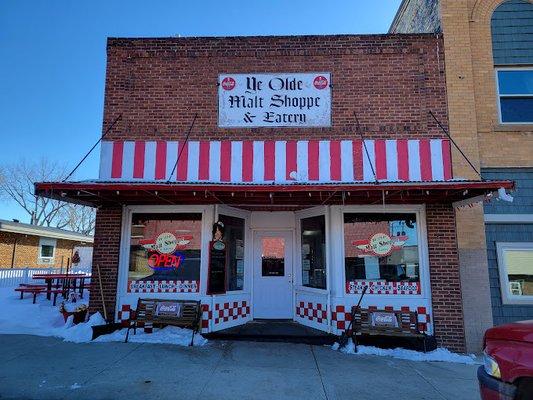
267, 196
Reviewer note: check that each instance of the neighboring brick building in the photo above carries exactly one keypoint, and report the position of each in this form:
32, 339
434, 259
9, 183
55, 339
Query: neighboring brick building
489, 72
276, 150
29, 246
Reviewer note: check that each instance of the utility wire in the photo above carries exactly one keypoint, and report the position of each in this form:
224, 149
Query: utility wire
92, 148
455, 144
182, 147
364, 145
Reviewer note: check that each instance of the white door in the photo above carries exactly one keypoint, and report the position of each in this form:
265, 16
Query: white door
272, 264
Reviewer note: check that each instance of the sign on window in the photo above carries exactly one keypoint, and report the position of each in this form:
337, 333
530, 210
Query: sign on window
274, 100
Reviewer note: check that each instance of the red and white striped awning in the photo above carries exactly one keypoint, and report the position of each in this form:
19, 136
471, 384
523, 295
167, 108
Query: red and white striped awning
256, 162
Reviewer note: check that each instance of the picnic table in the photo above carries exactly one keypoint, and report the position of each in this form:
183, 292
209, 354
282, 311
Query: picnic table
63, 280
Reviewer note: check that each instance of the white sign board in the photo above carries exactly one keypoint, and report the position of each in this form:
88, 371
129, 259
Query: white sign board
273, 100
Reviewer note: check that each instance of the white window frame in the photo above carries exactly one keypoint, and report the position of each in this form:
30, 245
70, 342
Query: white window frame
125, 297
507, 297
46, 242
499, 95
245, 215
423, 252
298, 279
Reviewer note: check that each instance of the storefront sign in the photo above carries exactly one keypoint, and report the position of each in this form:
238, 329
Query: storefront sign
383, 287
381, 244
168, 309
272, 100
166, 243
161, 262
169, 286
163, 250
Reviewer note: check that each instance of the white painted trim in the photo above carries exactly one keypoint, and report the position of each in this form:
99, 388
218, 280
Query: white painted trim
509, 218
508, 298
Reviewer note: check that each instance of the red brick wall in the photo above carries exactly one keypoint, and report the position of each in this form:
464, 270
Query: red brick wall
444, 276
390, 81
105, 254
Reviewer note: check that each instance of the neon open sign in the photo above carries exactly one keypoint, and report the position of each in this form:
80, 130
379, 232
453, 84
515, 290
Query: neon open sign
164, 262
163, 251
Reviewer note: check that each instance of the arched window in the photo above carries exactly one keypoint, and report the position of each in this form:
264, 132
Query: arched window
512, 47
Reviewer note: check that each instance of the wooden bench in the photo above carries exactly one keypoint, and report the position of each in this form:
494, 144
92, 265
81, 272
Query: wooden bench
28, 289
163, 312
380, 322
35, 289
32, 285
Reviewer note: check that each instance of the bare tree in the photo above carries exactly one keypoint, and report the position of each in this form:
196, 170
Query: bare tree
79, 219
17, 183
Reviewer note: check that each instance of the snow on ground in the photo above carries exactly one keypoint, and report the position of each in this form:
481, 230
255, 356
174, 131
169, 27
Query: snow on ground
43, 319
439, 354
168, 335
23, 317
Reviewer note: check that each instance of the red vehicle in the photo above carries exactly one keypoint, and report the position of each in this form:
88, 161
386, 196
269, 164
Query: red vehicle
507, 373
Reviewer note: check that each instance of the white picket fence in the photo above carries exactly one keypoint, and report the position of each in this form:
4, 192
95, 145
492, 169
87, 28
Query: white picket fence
11, 277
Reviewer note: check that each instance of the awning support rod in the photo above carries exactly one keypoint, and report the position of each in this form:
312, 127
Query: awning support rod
364, 145
455, 144
182, 147
92, 148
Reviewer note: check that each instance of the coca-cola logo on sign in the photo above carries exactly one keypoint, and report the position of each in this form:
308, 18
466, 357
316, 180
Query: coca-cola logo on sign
228, 83
320, 82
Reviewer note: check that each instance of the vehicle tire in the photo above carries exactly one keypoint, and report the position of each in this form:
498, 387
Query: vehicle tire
525, 389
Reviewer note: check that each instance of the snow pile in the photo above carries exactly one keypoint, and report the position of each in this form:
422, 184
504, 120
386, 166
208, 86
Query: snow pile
44, 319
167, 335
440, 354
80, 333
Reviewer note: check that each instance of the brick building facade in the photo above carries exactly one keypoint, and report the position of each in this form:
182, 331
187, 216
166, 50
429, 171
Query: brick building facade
382, 160
21, 246
481, 39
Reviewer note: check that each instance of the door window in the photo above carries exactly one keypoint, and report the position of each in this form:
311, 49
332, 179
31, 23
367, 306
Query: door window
272, 256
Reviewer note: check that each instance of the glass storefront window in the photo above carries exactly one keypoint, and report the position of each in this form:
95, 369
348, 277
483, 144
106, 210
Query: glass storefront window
313, 251
381, 251
234, 239
165, 252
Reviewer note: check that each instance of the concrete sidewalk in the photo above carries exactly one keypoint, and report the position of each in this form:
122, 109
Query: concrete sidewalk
34, 367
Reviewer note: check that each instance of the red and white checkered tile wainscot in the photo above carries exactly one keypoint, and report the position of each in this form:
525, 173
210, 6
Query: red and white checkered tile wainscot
225, 312
341, 316
125, 314
312, 311
207, 315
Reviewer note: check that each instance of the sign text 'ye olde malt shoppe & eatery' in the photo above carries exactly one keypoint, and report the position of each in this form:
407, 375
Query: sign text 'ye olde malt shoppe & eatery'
272, 100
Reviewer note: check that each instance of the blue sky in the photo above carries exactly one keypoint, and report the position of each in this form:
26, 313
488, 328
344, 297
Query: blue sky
53, 59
